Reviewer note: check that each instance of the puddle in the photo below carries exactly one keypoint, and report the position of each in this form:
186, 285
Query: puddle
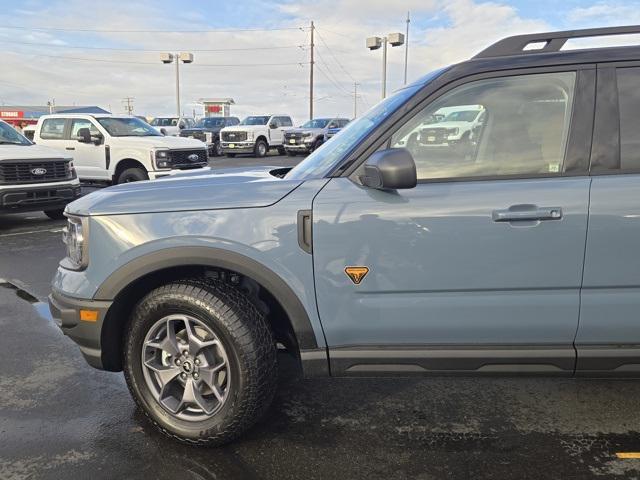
20, 292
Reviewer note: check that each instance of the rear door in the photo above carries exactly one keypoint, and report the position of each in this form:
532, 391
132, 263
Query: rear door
608, 338
479, 267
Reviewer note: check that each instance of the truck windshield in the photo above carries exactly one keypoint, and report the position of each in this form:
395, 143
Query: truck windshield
9, 136
164, 122
128, 127
210, 122
255, 120
316, 123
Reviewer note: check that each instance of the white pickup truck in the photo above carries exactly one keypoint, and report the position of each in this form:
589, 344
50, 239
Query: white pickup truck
256, 135
113, 149
33, 177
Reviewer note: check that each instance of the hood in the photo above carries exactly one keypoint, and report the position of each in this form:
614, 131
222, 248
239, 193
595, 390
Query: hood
159, 142
460, 125
30, 152
313, 131
223, 189
245, 128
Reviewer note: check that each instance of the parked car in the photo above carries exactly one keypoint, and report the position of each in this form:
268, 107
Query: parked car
172, 125
33, 177
331, 132
256, 135
112, 149
310, 135
29, 131
371, 258
207, 130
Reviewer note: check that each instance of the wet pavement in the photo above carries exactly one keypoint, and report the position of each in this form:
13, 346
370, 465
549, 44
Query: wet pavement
59, 418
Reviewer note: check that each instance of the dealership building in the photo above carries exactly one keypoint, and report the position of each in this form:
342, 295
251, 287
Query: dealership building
16, 115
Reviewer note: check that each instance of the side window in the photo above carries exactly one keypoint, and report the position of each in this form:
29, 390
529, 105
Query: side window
78, 123
285, 121
275, 121
501, 126
53, 129
629, 100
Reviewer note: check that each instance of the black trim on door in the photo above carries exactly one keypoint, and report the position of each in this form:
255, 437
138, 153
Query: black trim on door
605, 152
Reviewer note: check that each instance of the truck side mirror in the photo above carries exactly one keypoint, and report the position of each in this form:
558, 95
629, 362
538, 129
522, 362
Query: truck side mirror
272, 125
84, 135
390, 169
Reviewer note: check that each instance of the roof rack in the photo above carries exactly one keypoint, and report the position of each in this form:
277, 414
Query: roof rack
554, 41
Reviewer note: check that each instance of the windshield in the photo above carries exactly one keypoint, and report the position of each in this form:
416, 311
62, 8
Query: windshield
462, 116
210, 122
9, 136
255, 120
317, 123
164, 122
322, 160
128, 127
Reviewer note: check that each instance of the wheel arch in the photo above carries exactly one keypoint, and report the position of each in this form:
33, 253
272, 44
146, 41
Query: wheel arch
124, 163
289, 317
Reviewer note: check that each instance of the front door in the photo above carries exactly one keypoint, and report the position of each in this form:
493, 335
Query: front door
88, 158
479, 267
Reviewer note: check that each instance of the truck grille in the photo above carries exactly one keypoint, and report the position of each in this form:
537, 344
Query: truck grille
197, 135
296, 137
180, 158
34, 171
433, 136
234, 136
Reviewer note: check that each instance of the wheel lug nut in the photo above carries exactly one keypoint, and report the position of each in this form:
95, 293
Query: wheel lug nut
185, 353
178, 361
195, 375
196, 361
183, 376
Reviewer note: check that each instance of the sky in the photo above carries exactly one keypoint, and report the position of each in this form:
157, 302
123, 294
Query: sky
80, 52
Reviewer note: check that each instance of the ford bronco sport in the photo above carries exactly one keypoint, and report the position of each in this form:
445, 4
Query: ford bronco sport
369, 258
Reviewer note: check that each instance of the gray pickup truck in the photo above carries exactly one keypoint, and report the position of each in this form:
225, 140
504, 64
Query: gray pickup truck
311, 135
379, 256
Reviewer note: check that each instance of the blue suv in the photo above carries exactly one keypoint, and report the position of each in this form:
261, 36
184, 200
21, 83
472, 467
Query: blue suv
393, 249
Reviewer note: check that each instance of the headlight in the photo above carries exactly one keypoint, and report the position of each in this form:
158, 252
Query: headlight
453, 131
250, 136
74, 236
162, 159
306, 134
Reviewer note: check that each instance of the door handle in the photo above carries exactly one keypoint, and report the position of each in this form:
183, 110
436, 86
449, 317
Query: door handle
304, 231
70, 148
523, 213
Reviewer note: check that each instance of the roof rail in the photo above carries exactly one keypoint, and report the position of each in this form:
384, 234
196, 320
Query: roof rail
554, 41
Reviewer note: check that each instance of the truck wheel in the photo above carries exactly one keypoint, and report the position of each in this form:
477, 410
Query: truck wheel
132, 175
217, 149
261, 149
55, 214
316, 145
281, 151
200, 361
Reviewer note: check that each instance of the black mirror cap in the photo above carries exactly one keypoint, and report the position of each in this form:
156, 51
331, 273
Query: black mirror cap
84, 135
390, 169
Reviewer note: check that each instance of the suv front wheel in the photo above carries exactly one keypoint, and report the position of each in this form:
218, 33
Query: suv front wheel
200, 360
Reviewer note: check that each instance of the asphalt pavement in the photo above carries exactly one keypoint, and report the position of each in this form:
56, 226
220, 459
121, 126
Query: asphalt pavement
59, 418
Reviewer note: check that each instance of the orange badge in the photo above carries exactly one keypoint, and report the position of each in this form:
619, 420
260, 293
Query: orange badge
356, 274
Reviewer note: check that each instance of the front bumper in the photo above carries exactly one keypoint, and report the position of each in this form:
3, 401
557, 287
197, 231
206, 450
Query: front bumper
167, 173
298, 147
238, 147
86, 334
37, 197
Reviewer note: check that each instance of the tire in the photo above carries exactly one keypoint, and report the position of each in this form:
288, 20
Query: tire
55, 214
261, 149
281, 151
134, 174
230, 155
316, 145
246, 346
217, 150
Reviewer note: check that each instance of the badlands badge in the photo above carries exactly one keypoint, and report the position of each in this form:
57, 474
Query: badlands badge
356, 274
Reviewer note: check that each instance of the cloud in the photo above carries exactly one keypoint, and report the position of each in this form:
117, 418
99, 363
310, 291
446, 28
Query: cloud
441, 33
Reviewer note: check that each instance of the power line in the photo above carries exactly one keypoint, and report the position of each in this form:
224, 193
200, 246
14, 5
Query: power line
122, 49
132, 62
336, 58
96, 30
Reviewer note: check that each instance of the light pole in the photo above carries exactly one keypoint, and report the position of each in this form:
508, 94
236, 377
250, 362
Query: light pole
184, 57
374, 43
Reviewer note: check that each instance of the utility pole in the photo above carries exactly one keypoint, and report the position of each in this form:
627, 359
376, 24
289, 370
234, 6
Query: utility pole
128, 105
311, 75
406, 48
185, 57
385, 41
355, 99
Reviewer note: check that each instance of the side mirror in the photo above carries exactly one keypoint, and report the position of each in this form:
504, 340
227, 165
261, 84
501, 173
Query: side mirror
273, 125
84, 135
390, 169
181, 125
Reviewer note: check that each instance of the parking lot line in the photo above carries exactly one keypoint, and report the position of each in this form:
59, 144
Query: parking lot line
50, 230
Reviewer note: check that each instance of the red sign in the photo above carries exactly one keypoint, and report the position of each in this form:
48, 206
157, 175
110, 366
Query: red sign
11, 114
214, 108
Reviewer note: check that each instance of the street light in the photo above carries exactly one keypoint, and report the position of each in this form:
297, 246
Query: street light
374, 43
185, 57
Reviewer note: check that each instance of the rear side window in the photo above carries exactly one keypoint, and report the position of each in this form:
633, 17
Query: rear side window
79, 123
629, 100
285, 121
53, 129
